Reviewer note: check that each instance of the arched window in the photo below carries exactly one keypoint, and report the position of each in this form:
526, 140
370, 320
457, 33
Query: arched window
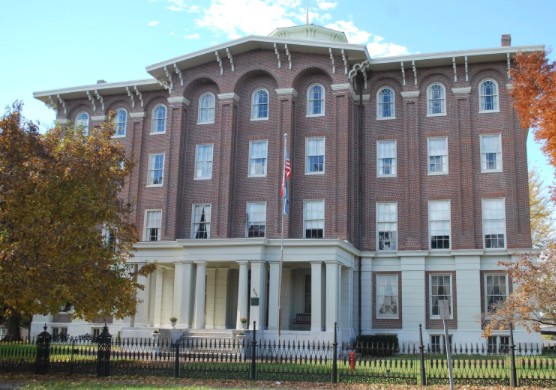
82, 122
436, 96
120, 122
159, 119
259, 105
385, 104
488, 96
206, 108
315, 100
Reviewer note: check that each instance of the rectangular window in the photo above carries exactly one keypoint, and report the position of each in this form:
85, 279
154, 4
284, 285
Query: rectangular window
156, 169
439, 224
203, 162
313, 218
200, 221
491, 153
257, 158
386, 296
438, 155
494, 223
387, 226
496, 291
438, 344
314, 155
440, 291
153, 222
498, 344
256, 219
386, 158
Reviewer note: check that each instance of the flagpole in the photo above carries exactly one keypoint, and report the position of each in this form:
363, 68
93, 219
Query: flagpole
284, 178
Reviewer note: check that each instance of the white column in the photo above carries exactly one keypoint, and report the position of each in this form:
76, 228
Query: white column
467, 288
242, 292
138, 318
200, 295
257, 293
183, 293
332, 294
273, 296
316, 296
157, 309
413, 286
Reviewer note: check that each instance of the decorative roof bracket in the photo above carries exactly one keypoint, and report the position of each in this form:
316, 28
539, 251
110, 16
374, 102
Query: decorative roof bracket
466, 71
92, 100
100, 99
231, 59
169, 77
289, 55
509, 63
178, 72
52, 103
345, 62
219, 61
332, 60
130, 94
277, 55
455, 71
414, 73
403, 73
63, 104
363, 68
139, 95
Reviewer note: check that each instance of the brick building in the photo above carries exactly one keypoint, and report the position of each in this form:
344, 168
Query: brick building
409, 183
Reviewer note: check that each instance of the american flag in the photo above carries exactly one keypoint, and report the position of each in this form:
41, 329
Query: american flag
284, 190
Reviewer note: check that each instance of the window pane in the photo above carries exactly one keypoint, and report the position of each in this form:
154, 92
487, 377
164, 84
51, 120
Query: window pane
387, 296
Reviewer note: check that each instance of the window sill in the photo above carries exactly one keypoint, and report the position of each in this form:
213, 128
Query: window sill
205, 123
259, 119
118, 136
202, 178
492, 171
433, 115
314, 115
158, 133
489, 111
154, 185
314, 173
388, 118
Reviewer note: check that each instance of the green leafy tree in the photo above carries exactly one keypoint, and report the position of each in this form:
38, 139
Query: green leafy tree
58, 202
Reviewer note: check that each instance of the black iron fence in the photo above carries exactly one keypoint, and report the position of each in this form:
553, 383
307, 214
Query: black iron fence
246, 357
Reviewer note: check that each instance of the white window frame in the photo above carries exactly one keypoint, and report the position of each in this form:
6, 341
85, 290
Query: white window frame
434, 220
380, 104
314, 221
120, 126
255, 105
146, 228
82, 123
380, 159
493, 219
441, 343
450, 295
207, 221
198, 174
444, 156
498, 346
254, 161
431, 99
381, 291
153, 170
483, 97
156, 119
207, 107
255, 217
487, 294
497, 151
311, 101
316, 150
386, 225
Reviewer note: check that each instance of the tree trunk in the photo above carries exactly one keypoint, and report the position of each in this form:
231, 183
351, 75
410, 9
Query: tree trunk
13, 323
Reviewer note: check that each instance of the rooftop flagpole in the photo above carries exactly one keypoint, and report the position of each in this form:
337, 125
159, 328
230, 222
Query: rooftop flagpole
285, 206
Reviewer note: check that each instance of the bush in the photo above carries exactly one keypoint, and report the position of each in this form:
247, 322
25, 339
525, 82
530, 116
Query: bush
377, 345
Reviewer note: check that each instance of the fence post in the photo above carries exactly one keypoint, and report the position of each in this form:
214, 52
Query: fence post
177, 360
335, 357
422, 357
513, 381
103, 354
42, 359
253, 372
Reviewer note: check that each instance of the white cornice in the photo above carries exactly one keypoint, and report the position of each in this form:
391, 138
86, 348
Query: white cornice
340, 87
98, 118
179, 100
137, 115
410, 94
461, 90
286, 91
228, 96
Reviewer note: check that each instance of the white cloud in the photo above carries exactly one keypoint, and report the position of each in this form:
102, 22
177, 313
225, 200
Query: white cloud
326, 5
181, 5
378, 48
154, 23
192, 36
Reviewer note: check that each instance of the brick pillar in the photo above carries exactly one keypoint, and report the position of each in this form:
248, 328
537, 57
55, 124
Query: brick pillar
174, 161
136, 136
225, 170
286, 97
413, 172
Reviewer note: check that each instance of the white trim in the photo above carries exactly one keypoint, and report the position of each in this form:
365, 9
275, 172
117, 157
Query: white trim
192, 232
307, 172
496, 97
286, 91
178, 100
446, 169
378, 104
504, 232
137, 115
145, 225
429, 225
499, 161
379, 174
253, 116
247, 218
323, 101
305, 201
153, 119
392, 250
410, 94
149, 168
98, 118
195, 177
431, 275
485, 287
340, 87
228, 96
378, 315
444, 98
249, 158
200, 107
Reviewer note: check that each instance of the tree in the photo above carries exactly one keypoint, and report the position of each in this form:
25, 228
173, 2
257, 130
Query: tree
534, 97
541, 212
532, 303
64, 233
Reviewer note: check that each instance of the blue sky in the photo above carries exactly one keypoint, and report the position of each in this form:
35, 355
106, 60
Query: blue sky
64, 43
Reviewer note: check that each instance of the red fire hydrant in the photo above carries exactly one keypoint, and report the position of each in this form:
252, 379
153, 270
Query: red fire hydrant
352, 360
